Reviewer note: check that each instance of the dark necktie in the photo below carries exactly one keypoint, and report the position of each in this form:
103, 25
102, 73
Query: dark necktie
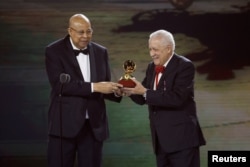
158, 69
84, 51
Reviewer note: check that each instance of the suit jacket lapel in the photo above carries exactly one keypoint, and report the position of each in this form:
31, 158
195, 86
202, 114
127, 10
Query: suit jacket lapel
170, 67
92, 54
71, 56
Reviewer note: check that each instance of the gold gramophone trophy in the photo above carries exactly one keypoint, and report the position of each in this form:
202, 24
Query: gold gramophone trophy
129, 67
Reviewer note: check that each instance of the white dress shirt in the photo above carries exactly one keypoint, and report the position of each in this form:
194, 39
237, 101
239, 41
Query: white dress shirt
83, 61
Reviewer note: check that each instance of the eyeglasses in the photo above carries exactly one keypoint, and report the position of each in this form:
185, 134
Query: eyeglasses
81, 33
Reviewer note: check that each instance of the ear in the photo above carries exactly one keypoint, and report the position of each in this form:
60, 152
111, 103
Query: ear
69, 31
169, 49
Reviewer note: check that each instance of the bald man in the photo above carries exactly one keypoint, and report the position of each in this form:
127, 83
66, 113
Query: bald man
77, 117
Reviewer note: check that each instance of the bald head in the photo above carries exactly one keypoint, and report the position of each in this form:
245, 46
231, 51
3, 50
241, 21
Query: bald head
80, 30
78, 19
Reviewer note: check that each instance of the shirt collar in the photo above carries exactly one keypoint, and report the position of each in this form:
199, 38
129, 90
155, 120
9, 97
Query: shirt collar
165, 65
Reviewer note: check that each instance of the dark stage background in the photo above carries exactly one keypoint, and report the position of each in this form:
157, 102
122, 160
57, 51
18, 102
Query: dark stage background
214, 34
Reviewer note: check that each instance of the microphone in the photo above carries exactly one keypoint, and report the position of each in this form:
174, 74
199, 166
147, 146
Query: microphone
64, 78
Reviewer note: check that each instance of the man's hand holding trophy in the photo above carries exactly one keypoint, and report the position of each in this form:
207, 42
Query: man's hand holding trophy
129, 82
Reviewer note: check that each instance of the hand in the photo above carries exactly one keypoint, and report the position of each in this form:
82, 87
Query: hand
138, 89
106, 87
118, 92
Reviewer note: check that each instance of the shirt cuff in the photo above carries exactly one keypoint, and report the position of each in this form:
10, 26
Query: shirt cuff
145, 95
92, 87
116, 95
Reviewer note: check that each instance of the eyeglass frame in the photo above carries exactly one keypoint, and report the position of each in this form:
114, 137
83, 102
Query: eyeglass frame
81, 33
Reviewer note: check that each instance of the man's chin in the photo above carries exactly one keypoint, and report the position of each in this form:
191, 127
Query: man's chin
156, 63
84, 44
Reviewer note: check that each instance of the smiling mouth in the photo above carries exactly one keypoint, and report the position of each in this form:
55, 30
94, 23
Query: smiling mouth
84, 41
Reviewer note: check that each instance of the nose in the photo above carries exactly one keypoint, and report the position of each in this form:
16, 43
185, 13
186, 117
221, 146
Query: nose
85, 35
151, 52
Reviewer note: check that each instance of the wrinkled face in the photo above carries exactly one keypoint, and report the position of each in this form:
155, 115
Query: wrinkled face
159, 52
80, 32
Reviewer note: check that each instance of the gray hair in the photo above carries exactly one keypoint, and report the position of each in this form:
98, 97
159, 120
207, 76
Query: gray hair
165, 36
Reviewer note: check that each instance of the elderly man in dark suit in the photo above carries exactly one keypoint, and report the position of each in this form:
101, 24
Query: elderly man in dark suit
168, 90
78, 122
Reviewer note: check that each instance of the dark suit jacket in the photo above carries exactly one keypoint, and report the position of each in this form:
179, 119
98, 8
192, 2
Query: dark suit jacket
172, 109
76, 95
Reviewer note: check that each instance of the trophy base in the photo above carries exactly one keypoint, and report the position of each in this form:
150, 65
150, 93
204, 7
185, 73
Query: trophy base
128, 83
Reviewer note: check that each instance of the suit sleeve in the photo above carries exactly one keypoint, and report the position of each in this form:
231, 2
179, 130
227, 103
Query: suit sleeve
139, 99
110, 96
